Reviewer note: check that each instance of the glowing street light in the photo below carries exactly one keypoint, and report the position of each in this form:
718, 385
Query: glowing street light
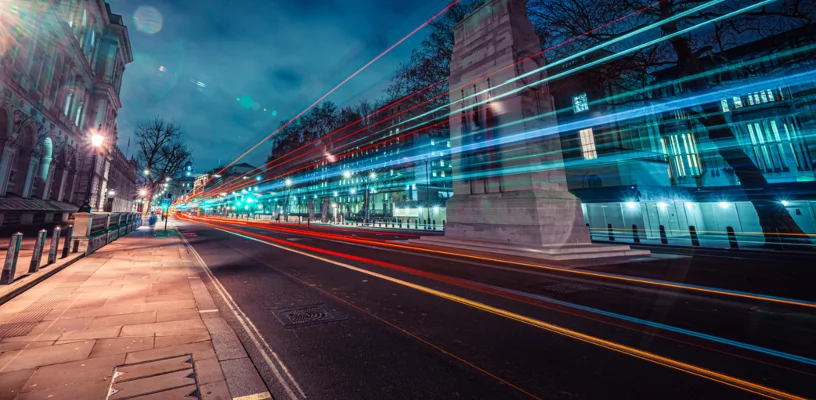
147, 172
96, 142
288, 182
346, 174
142, 192
372, 175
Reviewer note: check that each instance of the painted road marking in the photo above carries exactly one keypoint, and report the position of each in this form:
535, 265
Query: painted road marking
623, 349
251, 330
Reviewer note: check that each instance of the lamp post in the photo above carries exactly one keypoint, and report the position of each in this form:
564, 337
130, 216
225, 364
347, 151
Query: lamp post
288, 193
96, 142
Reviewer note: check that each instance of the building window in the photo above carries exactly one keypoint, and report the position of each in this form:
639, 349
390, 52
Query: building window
682, 155
588, 144
724, 104
580, 103
776, 145
737, 102
78, 115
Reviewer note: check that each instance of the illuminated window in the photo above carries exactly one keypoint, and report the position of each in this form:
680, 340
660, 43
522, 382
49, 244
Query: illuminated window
580, 103
588, 144
724, 104
737, 102
681, 152
776, 145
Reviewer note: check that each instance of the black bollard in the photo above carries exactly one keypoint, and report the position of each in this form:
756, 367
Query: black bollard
732, 237
36, 257
635, 234
416, 223
663, 238
10, 266
433, 225
695, 241
611, 233
66, 246
52, 252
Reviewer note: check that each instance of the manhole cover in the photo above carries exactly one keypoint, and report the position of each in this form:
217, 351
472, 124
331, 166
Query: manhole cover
569, 288
172, 377
309, 315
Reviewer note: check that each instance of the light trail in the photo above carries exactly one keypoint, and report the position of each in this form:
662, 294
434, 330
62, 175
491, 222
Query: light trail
602, 275
391, 105
361, 69
610, 345
598, 120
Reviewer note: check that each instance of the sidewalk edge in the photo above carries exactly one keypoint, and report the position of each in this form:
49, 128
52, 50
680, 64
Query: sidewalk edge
37, 279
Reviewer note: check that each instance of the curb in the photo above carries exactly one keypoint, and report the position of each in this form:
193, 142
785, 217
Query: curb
37, 279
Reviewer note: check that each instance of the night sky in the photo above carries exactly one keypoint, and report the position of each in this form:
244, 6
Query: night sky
194, 59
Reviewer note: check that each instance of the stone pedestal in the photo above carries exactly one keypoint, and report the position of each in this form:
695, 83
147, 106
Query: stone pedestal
509, 180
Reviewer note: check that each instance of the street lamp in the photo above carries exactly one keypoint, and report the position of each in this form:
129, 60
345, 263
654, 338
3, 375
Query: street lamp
147, 172
96, 143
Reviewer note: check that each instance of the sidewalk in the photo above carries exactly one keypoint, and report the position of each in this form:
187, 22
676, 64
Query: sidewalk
132, 321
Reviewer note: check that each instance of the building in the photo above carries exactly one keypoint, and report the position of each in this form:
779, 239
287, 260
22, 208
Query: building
121, 183
661, 168
61, 67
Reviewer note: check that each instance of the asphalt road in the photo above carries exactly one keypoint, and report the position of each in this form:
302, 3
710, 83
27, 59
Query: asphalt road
326, 319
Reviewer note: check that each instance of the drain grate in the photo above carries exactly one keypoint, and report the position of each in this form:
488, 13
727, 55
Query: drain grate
569, 288
171, 377
309, 315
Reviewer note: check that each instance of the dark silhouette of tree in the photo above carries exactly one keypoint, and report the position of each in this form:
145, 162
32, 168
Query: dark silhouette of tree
570, 26
161, 151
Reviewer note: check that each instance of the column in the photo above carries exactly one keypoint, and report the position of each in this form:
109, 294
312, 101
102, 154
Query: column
9, 151
31, 173
45, 190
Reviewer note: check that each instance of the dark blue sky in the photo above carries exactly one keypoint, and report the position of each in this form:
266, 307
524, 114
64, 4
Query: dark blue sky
283, 54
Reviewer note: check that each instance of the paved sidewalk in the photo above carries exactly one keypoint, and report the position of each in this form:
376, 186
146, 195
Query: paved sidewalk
133, 320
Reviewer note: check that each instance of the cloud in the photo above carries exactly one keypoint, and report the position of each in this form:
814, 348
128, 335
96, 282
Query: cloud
284, 54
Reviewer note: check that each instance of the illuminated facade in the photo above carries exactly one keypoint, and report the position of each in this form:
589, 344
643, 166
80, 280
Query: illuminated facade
62, 66
661, 168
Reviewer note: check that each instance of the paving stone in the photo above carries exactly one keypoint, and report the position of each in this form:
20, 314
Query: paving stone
106, 347
242, 377
176, 315
153, 384
170, 297
144, 369
169, 328
215, 391
93, 333
24, 345
165, 341
56, 354
61, 326
208, 371
64, 376
109, 310
124, 319
200, 351
11, 383
164, 305
182, 393
226, 343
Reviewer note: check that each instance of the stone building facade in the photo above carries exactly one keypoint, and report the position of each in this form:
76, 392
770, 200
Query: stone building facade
61, 67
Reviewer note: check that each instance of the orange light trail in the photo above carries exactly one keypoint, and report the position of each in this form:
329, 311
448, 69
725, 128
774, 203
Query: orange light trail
607, 344
623, 278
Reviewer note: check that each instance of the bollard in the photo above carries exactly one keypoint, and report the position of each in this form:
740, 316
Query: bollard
635, 235
663, 238
732, 237
36, 257
10, 266
400, 224
416, 223
443, 224
611, 233
66, 247
52, 252
695, 241
433, 225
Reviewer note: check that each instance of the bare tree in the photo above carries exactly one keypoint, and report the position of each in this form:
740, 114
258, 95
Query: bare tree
162, 153
569, 26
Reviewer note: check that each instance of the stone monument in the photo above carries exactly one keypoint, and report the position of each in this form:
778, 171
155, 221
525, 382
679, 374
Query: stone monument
509, 182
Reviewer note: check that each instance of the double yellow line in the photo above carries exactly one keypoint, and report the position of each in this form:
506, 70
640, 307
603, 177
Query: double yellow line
643, 355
